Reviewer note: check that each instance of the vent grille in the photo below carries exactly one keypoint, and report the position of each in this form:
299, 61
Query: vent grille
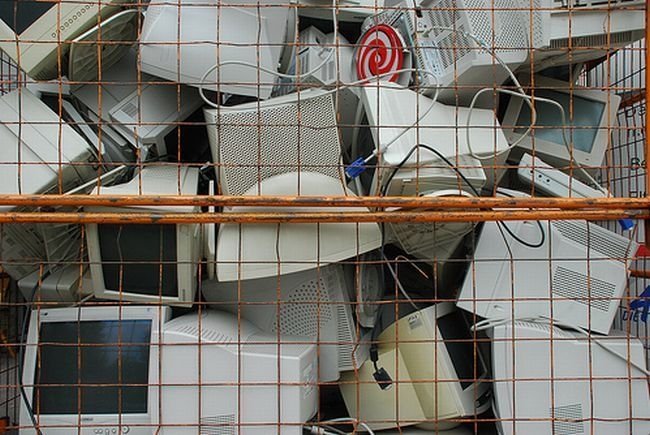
573, 285
567, 420
205, 333
130, 109
345, 338
219, 425
599, 239
301, 312
599, 40
252, 146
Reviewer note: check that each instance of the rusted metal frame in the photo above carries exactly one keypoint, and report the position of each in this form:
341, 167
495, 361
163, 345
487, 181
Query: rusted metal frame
322, 201
313, 217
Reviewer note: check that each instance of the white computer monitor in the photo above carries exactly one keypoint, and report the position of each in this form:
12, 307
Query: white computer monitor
30, 31
181, 42
347, 10
436, 374
249, 251
574, 271
549, 380
39, 154
253, 141
314, 304
590, 117
147, 263
219, 374
403, 118
89, 368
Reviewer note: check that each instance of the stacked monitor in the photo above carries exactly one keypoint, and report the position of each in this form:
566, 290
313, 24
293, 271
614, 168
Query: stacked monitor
433, 374
235, 25
399, 119
584, 132
568, 382
41, 154
572, 271
31, 31
147, 263
90, 369
314, 304
220, 374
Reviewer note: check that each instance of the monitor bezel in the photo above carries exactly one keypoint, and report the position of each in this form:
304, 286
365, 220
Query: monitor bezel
188, 258
38, 44
158, 316
558, 153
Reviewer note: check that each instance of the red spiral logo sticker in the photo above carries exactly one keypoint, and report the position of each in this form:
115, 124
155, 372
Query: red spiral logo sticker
381, 50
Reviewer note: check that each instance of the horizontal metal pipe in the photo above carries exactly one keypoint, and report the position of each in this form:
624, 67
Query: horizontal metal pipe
451, 202
312, 217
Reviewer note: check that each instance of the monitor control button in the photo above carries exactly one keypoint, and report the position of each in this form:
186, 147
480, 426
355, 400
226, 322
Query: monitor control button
126, 429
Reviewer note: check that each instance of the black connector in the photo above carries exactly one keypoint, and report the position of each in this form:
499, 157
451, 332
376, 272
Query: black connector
383, 378
381, 375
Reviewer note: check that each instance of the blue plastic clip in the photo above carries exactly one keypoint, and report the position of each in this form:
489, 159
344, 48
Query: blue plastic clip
626, 224
356, 168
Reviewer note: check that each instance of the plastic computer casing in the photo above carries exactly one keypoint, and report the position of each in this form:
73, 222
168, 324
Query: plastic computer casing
577, 274
549, 380
40, 154
86, 424
245, 32
36, 49
220, 374
153, 180
314, 304
259, 250
412, 354
558, 153
253, 141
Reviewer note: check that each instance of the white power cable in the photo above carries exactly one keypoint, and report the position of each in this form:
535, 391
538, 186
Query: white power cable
491, 323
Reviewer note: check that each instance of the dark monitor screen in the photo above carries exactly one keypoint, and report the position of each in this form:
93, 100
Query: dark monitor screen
460, 346
585, 117
20, 14
92, 367
140, 257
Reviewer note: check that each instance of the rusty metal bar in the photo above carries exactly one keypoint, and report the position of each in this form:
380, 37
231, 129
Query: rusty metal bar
323, 201
313, 217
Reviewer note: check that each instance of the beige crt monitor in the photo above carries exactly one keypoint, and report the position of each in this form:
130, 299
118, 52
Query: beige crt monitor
155, 263
435, 376
32, 31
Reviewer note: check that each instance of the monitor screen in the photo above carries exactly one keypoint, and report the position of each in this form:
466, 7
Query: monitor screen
587, 115
92, 367
139, 259
460, 347
20, 14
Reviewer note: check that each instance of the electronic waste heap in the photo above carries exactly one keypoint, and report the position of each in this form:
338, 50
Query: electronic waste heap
257, 328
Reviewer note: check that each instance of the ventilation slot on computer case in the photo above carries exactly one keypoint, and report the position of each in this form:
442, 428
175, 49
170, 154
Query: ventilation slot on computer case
597, 238
567, 420
219, 425
345, 339
583, 289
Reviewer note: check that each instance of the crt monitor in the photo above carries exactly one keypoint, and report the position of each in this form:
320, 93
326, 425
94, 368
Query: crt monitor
590, 118
314, 304
89, 367
38, 25
432, 373
147, 263
549, 380
219, 374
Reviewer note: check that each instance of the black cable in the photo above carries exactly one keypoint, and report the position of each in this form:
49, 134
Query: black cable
460, 174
